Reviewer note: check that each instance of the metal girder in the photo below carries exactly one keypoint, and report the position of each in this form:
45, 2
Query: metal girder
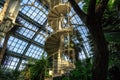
27, 40
31, 21
18, 55
42, 27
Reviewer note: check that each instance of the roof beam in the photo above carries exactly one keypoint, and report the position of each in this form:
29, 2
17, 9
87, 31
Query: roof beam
19, 36
32, 21
18, 55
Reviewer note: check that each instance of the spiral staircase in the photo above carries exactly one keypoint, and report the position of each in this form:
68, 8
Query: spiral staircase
54, 44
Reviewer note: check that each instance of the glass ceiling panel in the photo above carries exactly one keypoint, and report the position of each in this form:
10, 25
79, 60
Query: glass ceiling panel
37, 12
82, 55
0, 8
48, 28
28, 30
23, 64
25, 1
11, 62
71, 12
26, 24
76, 20
41, 36
16, 45
44, 33
87, 47
34, 52
84, 32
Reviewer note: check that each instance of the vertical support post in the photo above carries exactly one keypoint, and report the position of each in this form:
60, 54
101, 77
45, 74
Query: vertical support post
2, 16
7, 19
1, 38
59, 50
13, 9
61, 45
8, 15
59, 62
53, 64
3, 12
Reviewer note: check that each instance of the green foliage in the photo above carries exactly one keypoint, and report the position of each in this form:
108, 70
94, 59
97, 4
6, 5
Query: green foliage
85, 6
38, 70
82, 71
114, 54
111, 15
65, 78
86, 3
111, 4
35, 71
113, 37
9, 74
116, 2
114, 61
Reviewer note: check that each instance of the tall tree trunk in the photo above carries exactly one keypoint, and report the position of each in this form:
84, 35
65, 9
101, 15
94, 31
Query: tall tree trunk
101, 54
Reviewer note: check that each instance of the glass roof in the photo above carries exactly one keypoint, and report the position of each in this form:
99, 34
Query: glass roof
16, 45
28, 40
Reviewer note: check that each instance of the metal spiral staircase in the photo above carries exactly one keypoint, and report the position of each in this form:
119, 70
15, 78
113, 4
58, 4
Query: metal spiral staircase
56, 45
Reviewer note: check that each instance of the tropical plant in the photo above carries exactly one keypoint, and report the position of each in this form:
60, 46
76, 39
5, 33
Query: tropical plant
9, 74
35, 70
114, 61
83, 70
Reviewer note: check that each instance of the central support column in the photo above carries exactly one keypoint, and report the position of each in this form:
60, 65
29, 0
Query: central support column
59, 67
